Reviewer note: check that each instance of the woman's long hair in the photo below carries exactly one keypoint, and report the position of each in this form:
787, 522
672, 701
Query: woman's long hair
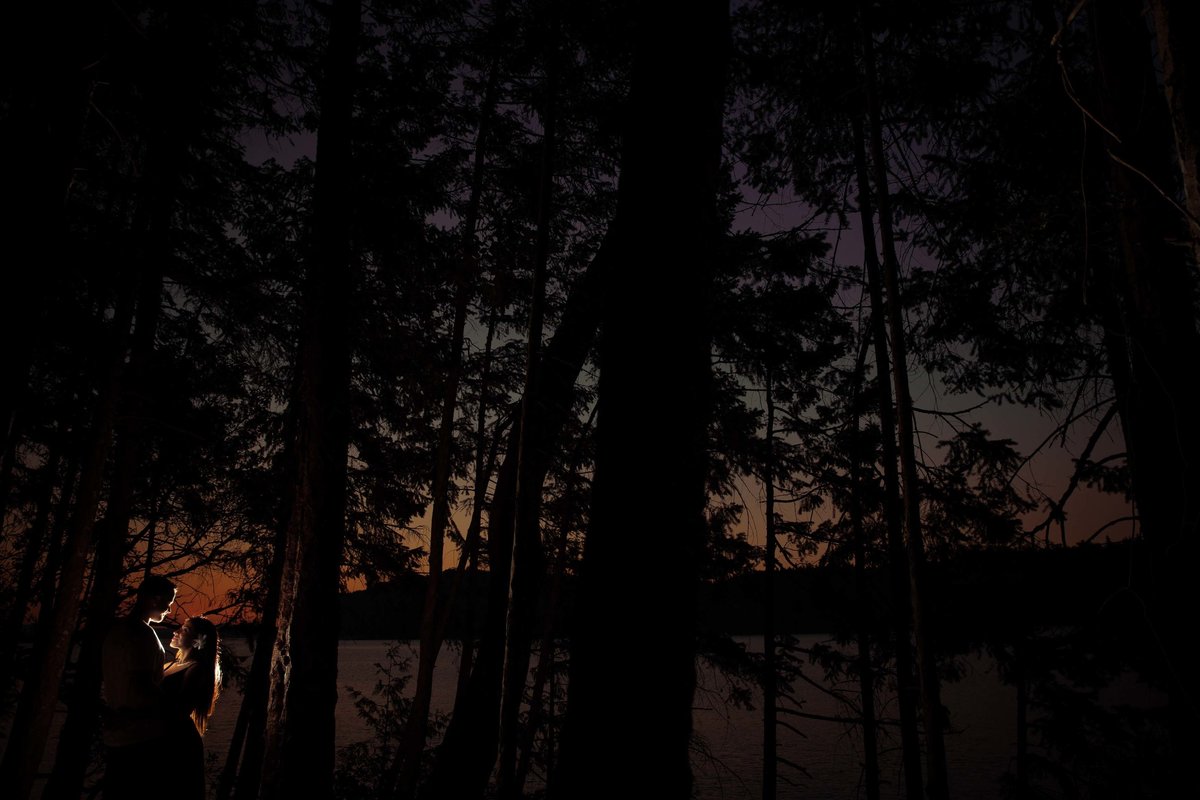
205, 653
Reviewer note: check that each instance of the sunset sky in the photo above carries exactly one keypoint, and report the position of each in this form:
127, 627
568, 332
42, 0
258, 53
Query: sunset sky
1047, 472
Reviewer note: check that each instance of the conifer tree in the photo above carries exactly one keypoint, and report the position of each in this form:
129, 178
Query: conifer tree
672, 135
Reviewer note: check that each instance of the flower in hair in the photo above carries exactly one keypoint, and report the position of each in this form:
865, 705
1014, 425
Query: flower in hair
199, 641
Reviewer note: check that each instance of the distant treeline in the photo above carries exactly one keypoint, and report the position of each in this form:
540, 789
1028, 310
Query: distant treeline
975, 594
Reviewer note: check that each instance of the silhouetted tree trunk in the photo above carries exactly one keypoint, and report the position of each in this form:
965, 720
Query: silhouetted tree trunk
466, 656
35, 542
931, 704
170, 69
300, 721
405, 767
485, 460
907, 690
39, 695
859, 475
1152, 351
468, 562
543, 675
1022, 685
242, 772
48, 586
247, 746
468, 750
1175, 26
112, 532
770, 662
633, 638
529, 560
48, 57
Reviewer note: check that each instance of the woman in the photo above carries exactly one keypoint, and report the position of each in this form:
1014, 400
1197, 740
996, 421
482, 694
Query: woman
190, 687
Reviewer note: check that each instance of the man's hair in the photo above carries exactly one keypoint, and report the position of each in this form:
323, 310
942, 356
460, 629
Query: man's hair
156, 586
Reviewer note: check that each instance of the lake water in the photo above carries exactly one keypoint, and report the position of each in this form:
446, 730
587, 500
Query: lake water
727, 758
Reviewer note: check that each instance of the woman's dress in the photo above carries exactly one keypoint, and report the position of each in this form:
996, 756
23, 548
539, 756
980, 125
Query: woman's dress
183, 690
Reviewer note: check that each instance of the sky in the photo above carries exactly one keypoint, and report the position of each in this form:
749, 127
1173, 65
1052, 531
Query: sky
1050, 464
1049, 469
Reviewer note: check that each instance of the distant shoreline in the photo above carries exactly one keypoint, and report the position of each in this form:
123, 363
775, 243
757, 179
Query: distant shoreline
976, 594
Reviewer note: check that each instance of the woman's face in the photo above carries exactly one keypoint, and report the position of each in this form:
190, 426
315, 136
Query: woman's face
184, 637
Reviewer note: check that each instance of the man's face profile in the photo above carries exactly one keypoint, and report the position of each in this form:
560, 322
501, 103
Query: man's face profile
162, 607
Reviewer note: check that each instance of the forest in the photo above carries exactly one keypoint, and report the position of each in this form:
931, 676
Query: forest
566, 323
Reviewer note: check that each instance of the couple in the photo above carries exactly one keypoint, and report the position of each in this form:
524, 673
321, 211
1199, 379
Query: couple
157, 710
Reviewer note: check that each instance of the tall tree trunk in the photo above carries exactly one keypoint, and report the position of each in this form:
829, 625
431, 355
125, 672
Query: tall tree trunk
466, 658
48, 55
152, 224
468, 559
543, 675
859, 475
79, 730
48, 586
770, 661
35, 543
907, 690
468, 751
299, 756
405, 767
633, 638
1175, 26
1022, 684
485, 460
242, 772
1154, 310
932, 712
529, 560
39, 695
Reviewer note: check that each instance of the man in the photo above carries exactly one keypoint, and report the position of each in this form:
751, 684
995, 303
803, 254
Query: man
132, 660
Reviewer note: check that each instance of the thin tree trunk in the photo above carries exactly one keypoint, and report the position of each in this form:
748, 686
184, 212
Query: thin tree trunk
35, 542
529, 560
299, 758
1154, 316
866, 672
543, 675
465, 572
242, 772
640, 575
485, 459
1175, 25
39, 695
770, 665
1022, 682
907, 689
48, 586
405, 767
46, 51
466, 659
10, 413
465, 759
112, 532
468, 751
931, 704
